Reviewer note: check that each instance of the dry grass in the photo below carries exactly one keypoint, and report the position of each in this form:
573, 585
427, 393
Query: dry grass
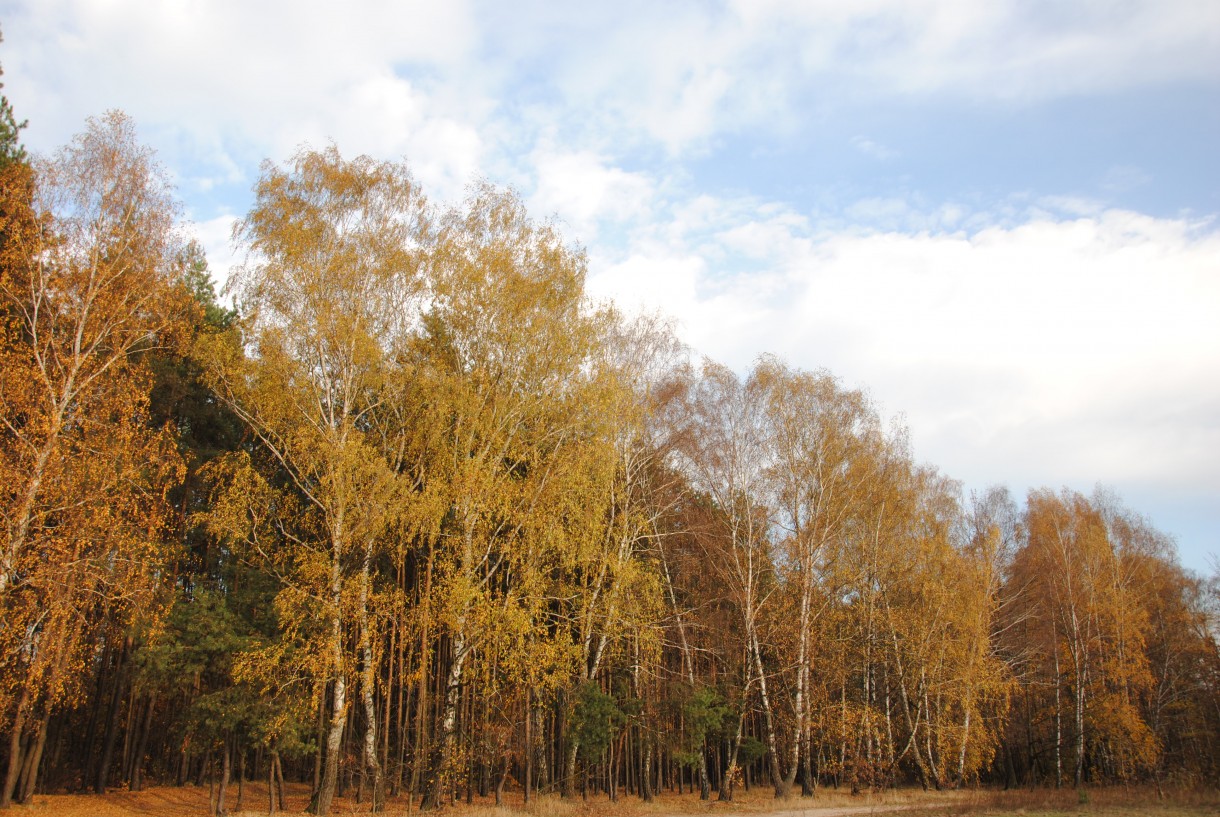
1115, 801
192, 801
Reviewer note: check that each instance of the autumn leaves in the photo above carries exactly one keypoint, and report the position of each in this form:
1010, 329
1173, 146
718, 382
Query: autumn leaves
468, 527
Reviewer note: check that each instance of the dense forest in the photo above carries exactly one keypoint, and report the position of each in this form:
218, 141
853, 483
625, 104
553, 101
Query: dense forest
415, 515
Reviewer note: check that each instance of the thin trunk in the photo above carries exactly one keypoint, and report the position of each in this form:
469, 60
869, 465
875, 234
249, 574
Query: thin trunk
453, 685
137, 769
271, 783
800, 704
705, 784
1079, 731
843, 732
961, 756
29, 771
279, 778
97, 702
688, 663
386, 699
318, 755
646, 773
334, 741
1058, 720
542, 775
129, 736
726, 779
777, 780
529, 748
809, 783
112, 726
226, 769
367, 681
889, 723
14, 750
936, 773
338, 717
422, 749
404, 703
241, 780
569, 768
503, 778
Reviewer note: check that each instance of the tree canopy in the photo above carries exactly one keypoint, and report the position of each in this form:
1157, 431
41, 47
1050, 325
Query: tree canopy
414, 516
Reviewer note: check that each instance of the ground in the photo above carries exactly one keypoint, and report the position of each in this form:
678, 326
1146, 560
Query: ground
191, 801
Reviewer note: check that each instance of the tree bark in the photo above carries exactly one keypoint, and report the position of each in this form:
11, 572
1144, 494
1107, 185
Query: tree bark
726, 779
338, 716
226, 769
137, 767
241, 779
569, 769
14, 750
271, 783
449, 721
112, 725
29, 772
777, 780
646, 773
367, 681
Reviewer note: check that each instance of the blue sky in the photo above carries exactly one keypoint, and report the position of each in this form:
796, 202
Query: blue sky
1002, 218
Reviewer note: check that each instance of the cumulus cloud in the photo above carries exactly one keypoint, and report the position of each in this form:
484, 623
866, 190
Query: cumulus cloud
1041, 336
375, 73
1066, 347
583, 191
223, 85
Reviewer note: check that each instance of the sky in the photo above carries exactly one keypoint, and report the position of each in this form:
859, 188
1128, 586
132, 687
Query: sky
1001, 219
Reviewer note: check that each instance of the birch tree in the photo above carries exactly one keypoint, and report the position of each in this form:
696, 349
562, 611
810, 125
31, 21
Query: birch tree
823, 442
723, 452
505, 349
336, 250
89, 285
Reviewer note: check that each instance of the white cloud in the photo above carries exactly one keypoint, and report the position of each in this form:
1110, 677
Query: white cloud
679, 77
1063, 348
1004, 49
1040, 337
645, 283
584, 191
377, 74
226, 84
215, 236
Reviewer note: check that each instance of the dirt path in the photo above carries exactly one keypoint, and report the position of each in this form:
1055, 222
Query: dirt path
191, 801
841, 811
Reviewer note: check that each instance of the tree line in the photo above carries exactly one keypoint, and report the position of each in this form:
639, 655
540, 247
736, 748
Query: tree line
417, 517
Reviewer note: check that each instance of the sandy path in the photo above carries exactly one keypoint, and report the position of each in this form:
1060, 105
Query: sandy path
838, 811
192, 801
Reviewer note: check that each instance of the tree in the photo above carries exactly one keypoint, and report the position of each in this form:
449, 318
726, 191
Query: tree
90, 285
723, 452
336, 249
11, 150
1086, 628
504, 366
824, 445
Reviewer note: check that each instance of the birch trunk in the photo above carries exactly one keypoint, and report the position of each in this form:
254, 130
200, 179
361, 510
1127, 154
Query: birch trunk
367, 682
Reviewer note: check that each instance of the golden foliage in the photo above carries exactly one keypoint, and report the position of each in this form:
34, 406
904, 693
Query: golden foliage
89, 287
